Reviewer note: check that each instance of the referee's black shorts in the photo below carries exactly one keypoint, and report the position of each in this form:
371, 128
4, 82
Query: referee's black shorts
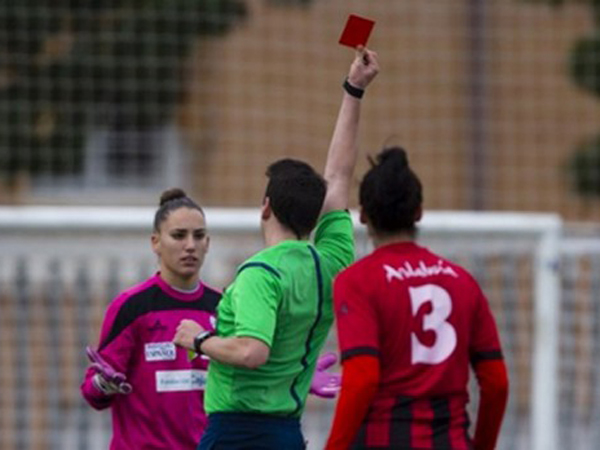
247, 431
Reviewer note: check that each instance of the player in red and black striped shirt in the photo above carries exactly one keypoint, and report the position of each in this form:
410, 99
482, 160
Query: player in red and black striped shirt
409, 325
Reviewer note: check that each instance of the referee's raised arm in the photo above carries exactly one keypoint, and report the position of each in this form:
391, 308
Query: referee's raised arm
343, 149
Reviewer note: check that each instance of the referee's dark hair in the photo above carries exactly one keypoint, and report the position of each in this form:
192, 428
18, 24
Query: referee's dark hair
391, 194
170, 200
296, 194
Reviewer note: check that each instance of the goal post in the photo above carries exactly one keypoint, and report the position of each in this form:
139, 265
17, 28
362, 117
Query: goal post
86, 244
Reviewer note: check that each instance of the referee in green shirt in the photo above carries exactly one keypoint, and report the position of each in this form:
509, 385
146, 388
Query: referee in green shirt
274, 318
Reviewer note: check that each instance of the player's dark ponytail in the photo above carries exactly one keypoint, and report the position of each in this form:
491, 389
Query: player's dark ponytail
391, 194
170, 200
171, 194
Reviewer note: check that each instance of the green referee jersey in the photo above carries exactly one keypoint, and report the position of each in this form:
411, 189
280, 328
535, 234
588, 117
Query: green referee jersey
283, 297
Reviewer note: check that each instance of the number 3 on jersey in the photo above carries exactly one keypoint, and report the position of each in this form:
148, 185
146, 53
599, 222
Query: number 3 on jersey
445, 334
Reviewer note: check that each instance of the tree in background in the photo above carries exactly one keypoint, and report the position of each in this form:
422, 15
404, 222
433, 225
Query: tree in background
585, 69
68, 66
584, 65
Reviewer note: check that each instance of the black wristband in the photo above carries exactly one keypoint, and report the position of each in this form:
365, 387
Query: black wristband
352, 90
199, 340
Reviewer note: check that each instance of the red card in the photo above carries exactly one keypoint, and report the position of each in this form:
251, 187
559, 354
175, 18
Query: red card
357, 31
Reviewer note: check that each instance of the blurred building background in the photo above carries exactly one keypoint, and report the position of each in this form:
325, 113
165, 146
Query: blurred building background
109, 104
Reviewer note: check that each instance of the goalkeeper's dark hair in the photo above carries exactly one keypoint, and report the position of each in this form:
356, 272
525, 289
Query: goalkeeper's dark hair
296, 194
391, 194
171, 200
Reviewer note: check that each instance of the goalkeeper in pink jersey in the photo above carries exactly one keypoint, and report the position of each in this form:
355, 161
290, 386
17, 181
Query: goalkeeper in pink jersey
156, 390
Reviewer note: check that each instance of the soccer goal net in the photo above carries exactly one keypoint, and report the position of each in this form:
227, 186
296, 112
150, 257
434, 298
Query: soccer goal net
59, 268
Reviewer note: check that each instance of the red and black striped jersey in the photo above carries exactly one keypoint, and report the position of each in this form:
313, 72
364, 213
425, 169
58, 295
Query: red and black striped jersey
426, 319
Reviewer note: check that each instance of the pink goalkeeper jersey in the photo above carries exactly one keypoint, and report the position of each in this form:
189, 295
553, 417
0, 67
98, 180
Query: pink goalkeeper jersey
165, 409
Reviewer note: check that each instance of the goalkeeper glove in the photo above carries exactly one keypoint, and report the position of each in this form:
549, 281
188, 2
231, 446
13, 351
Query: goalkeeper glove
106, 379
325, 384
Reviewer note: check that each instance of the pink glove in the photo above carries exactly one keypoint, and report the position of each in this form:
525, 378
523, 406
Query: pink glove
107, 379
325, 384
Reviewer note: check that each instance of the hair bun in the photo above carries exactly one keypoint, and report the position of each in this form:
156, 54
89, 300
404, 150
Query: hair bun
396, 156
171, 194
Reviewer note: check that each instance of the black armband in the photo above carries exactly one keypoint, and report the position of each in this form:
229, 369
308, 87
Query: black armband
353, 90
